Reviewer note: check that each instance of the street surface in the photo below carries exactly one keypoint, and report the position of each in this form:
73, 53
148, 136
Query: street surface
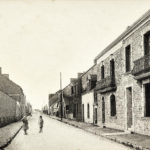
59, 136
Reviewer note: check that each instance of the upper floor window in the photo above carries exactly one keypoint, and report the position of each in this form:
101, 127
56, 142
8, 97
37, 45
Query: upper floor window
72, 91
76, 87
128, 58
102, 72
92, 81
112, 68
147, 43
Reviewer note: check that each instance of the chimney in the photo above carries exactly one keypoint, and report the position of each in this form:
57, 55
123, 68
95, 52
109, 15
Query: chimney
6, 75
73, 80
128, 27
79, 74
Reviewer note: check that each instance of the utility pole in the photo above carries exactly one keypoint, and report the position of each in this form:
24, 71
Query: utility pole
61, 97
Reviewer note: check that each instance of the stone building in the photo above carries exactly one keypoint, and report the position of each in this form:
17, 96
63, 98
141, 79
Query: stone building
54, 104
28, 109
123, 87
89, 101
12, 100
68, 102
76, 89
7, 109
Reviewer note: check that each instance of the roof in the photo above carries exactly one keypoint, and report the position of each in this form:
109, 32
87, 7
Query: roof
88, 70
124, 34
7, 86
53, 99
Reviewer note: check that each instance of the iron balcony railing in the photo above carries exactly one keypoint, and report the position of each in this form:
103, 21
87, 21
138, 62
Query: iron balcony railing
141, 65
107, 82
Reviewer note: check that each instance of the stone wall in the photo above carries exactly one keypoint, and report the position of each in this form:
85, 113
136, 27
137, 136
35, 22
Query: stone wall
7, 109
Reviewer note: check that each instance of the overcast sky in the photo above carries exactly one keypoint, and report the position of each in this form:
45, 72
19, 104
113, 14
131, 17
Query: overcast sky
41, 38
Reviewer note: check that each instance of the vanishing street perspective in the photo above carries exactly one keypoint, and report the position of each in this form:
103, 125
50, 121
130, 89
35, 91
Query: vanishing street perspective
102, 106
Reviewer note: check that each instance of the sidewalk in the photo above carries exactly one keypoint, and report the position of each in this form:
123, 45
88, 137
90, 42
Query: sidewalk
8, 132
135, 141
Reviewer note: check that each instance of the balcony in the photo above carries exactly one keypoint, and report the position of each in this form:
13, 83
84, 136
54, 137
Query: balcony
106, 85
141, 68
90, 85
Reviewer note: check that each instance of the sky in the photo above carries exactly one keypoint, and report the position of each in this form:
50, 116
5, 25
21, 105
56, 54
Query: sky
41, 38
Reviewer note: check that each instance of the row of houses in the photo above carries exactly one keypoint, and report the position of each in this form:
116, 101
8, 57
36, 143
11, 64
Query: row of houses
12, 101
115, 91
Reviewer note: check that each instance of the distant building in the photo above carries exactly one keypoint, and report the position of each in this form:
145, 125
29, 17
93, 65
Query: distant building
54, 104
76, 89
28, 109
68, 102
89, 101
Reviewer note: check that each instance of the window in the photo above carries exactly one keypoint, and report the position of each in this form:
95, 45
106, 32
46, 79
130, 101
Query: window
102, 72
128, 58
93, 84
76, 89
77, 108
74, 110
72, 90
147, 43
112, 68
67, 107
88, 111
113, 105
147, 100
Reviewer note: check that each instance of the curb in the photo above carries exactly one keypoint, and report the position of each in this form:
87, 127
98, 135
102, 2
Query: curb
10, 139
131, 145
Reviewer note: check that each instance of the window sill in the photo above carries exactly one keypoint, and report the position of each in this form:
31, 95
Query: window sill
127, 73
113, 117
145, 118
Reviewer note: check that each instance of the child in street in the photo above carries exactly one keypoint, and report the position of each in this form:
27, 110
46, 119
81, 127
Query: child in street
41, 122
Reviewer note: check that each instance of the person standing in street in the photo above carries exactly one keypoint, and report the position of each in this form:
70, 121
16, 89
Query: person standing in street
41, 122
25, 125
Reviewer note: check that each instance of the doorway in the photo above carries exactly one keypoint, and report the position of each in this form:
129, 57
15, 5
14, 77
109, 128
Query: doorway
103, 110
83, 112
147, 100
95, 118
129, 107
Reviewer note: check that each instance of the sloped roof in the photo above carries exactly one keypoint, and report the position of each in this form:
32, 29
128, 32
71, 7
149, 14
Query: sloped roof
9, 87
125, 33
53, 99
